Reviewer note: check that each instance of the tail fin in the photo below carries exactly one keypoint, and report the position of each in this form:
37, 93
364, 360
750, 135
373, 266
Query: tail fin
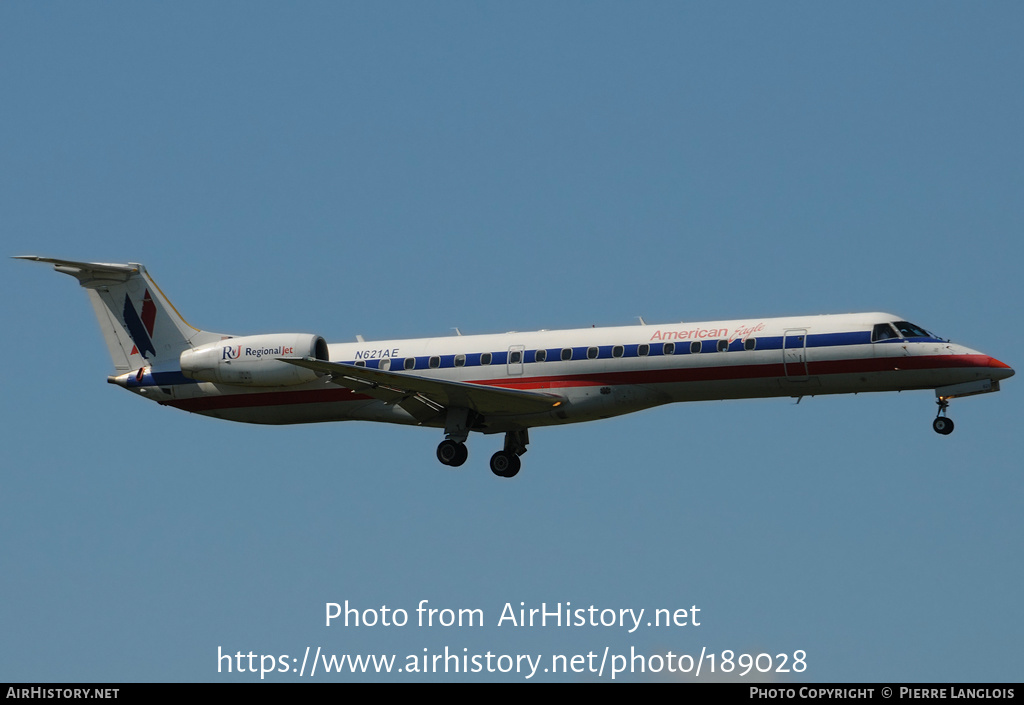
141, 327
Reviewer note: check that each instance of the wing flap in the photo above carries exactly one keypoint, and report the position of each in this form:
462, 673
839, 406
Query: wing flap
428, 395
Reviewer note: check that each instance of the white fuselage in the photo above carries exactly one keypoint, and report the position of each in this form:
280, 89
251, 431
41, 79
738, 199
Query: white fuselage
511, 382
603, 372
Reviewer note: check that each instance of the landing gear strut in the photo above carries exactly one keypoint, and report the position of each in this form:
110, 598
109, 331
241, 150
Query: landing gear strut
452, 450
942, 424
506, 463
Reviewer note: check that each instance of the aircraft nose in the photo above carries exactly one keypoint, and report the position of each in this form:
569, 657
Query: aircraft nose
1000, 370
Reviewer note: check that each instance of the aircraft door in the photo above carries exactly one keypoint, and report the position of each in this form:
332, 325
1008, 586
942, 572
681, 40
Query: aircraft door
794, 354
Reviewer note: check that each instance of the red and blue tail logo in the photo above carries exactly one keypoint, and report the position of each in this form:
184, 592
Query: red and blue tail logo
140, 328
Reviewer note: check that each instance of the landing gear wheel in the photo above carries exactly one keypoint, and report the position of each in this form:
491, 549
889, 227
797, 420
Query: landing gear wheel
505, 464
451, 453
943, 425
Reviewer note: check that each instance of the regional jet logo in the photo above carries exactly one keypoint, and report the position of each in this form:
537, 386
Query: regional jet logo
140, 328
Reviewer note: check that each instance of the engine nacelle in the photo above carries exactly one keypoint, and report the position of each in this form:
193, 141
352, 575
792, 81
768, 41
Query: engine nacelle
252, 360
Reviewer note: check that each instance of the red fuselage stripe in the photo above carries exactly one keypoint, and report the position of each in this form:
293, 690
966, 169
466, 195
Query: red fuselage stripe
637, 377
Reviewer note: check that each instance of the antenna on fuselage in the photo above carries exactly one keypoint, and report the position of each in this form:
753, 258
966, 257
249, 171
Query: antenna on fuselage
642, 321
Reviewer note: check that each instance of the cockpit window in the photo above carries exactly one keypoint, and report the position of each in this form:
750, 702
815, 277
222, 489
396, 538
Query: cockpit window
898, 330
909, 330
883, 331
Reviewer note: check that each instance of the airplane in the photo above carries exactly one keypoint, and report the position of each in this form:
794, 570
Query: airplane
510, 382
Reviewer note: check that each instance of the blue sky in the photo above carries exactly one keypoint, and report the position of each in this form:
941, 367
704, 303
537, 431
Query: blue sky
399, 169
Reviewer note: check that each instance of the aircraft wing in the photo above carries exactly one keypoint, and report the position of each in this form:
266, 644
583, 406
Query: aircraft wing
424, 397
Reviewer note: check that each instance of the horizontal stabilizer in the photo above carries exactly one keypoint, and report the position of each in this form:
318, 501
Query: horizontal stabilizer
86, 271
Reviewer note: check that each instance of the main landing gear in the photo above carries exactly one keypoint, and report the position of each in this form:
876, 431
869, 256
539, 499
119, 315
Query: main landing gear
504, 463
452, 450
942, 424
452, 453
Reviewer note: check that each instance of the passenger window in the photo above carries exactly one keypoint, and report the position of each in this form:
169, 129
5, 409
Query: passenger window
592, 353
750, 344
385, 364
723, 345
566, 353
515, 357
540, 355
460, 360
435, 362
643, 350
410, 363
485, 358
360, 363
617, 351
668, 349
695, 347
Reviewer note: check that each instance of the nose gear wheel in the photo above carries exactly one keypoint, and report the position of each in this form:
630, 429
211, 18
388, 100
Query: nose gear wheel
942, 424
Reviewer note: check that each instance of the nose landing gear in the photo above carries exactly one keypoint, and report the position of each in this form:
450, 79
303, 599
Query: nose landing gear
942, 424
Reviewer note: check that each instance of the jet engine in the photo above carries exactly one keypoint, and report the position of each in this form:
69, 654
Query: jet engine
253, 360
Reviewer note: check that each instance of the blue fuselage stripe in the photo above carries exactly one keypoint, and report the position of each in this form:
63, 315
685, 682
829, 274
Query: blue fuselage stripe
654, 349
604, 352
